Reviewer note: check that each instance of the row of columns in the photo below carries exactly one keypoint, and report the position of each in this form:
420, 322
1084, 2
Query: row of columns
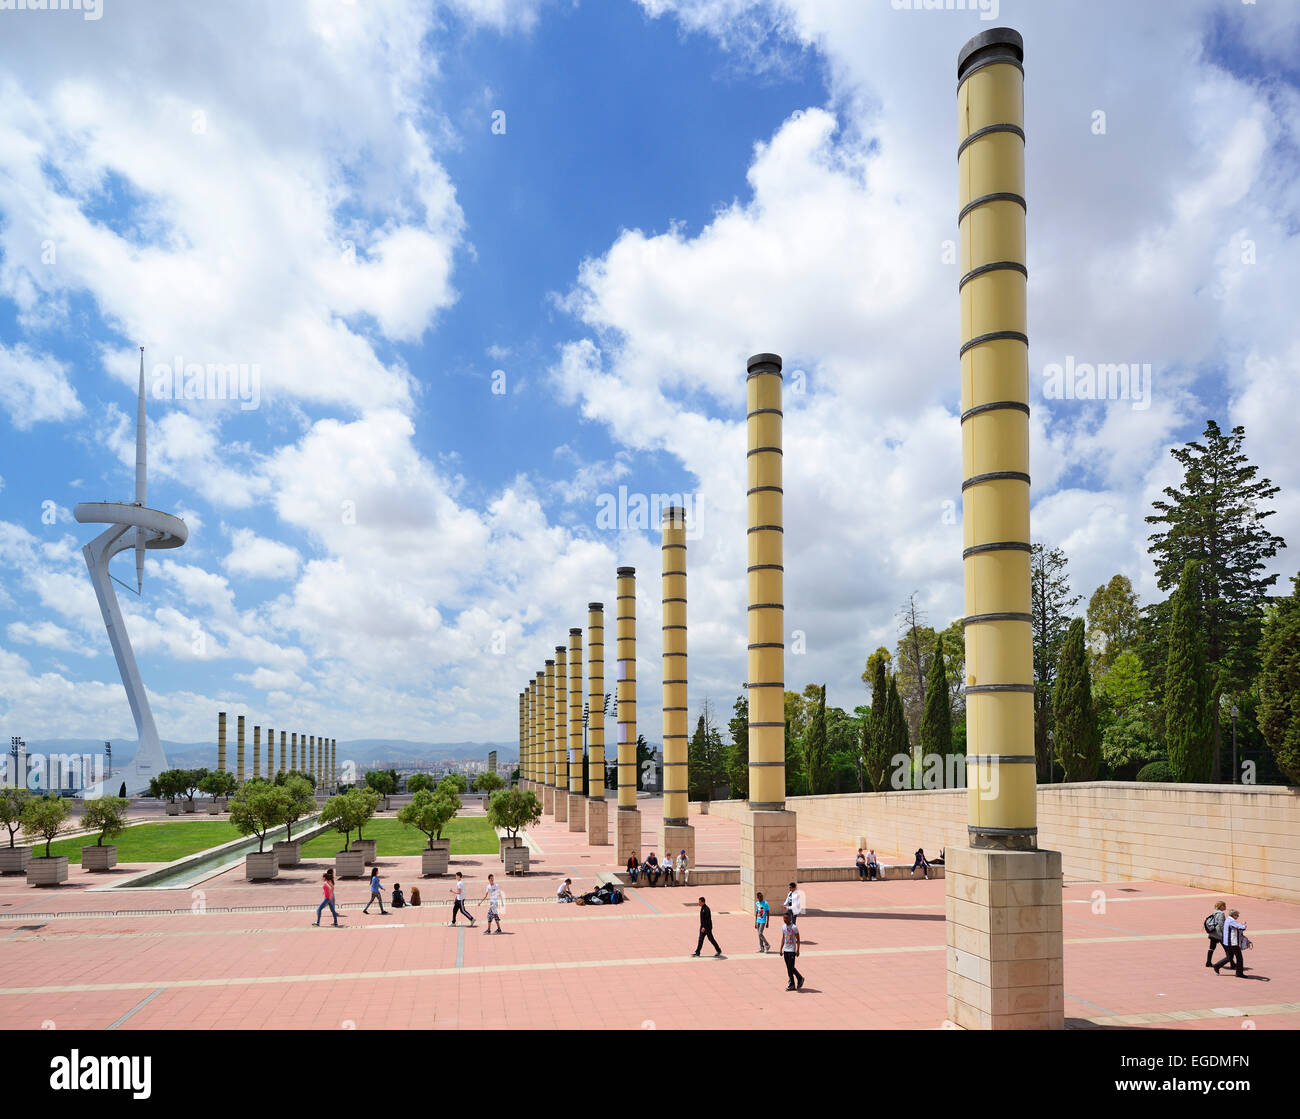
319, 755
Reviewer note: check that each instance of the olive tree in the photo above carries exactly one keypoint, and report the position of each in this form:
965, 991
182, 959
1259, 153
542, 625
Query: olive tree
107, 815
428, 812
258, 808
12, 803
301, 802
218, 783
43, 817
513, 810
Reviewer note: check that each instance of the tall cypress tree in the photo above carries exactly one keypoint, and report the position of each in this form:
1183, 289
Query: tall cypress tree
899, 742
737, 757
876, 741
814, 747
1279, 685
1050, 606
1077, 737
1189, 736
936, 725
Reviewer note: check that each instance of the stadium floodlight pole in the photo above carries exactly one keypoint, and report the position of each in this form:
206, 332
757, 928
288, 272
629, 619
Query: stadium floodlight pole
988, 926
560, 767
677, 834
768, 854
597, 806
577, 723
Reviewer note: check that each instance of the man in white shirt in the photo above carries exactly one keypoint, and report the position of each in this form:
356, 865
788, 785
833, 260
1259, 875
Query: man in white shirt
794, 902
1232, 933
492, 895
683, 868
459, 907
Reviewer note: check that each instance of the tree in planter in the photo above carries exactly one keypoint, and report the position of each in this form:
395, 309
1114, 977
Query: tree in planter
366, 801
341, 811
301, 801
488, 782
428, 812
381, 781
283, 776
12, 804
218, 783
514, 811
191, 781
258, 808
168, 785
458, 782
418, 782
43, 817
107, 815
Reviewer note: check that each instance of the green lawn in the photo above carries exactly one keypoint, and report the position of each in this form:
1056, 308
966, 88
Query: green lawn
470, 835
151, 843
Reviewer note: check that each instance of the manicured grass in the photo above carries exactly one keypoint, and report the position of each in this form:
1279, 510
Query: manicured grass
151, 843
469, 835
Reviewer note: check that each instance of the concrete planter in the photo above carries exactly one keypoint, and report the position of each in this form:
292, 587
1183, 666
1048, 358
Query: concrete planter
288, 852
48, 871
505, 843
516, 860
349, 864
214, 807
173, 809
99, 857
433, 861
259, 866
367, 848
14, 860
188, 806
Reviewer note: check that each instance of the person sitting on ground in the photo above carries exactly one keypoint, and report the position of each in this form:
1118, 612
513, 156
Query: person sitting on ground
399, 901
415, 895
873, 866
683, 867
861, 865
633, 867
921, 862
565, 892
651, 869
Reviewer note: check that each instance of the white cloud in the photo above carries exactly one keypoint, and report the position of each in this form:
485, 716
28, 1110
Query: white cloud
34, 389
260, 557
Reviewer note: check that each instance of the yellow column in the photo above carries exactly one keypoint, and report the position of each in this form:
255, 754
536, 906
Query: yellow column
577, 807
527, 768
270, 752
995, 448
221, 741
539, 742
768, 855
560, 767
523, 727
677, 834
239, 750
295, 751
548, 746
282, 755
257, 751
628, 831
1004, 947
311, 755
597, 807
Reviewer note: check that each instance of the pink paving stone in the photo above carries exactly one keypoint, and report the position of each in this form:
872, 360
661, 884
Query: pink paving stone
874, 954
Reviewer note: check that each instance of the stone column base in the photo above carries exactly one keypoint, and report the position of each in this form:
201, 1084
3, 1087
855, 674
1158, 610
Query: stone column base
548, 800
769, 857
673, 837
628, 839
577, 809
597, 822
1005, 948
561, 806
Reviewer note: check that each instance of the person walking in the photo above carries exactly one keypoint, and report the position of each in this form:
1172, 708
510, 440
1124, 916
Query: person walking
492, 895
794, 902
790, 952
1214, 927
762, 911
376, 893
327, 881
706, 930
1233, 933
459, 907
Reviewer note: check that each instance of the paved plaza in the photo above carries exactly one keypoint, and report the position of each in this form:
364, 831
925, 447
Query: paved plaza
233, 955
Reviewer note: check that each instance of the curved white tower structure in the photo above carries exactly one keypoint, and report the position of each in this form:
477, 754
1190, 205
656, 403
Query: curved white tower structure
130, 526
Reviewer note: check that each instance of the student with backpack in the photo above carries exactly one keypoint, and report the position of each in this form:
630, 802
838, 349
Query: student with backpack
1214, 928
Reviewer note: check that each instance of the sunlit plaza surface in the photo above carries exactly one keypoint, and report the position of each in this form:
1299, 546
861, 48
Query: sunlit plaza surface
230, 954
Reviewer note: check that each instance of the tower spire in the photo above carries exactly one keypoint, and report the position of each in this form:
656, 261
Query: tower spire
140, 476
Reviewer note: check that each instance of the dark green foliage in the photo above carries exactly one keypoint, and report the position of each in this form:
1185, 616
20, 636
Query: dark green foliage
814, 748
936, 725
1157, 771
736, 762
876, 745
1279, 685
1189, 735
1050, 605
1076, 737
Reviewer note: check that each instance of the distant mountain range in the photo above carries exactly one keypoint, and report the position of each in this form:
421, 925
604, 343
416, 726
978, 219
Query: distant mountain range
364, 751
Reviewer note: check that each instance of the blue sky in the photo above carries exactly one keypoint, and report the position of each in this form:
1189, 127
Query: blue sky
384, 546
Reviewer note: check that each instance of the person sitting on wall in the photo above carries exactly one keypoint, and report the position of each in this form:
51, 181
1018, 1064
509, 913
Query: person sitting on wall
633, 867
667, 867
683, 867
399, 901
873, 866
651, 869
922, 862
861, 863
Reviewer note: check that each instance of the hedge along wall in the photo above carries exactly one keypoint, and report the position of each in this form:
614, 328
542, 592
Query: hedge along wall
1242, 839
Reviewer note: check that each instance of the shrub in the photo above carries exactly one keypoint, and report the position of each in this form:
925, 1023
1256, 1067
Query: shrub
1157, 771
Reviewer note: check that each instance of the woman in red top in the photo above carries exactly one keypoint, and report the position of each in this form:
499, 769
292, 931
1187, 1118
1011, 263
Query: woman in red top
327, 882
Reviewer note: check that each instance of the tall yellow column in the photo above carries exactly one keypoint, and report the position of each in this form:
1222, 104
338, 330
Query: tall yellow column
539, 743
560, 767
270, 753
295, 751
597, 806
548, 749
239, 750
677, 835
768, 854
577, 806
526, 751
523, 728
282, 755
1004, 946
257, 750
221, 741
628, 831
311, 755
527, 770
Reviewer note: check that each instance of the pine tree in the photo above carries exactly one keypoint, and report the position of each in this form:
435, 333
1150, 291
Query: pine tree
1279, 685
1050, 606
1189, 737
899, 743
1215, 518
876, 740
737, 757
936, 726
1076, 737
814, 750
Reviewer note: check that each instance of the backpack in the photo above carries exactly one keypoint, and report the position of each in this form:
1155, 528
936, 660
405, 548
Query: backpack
1210, 924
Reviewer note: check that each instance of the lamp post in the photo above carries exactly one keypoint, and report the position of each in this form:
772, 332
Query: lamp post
1235, 767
